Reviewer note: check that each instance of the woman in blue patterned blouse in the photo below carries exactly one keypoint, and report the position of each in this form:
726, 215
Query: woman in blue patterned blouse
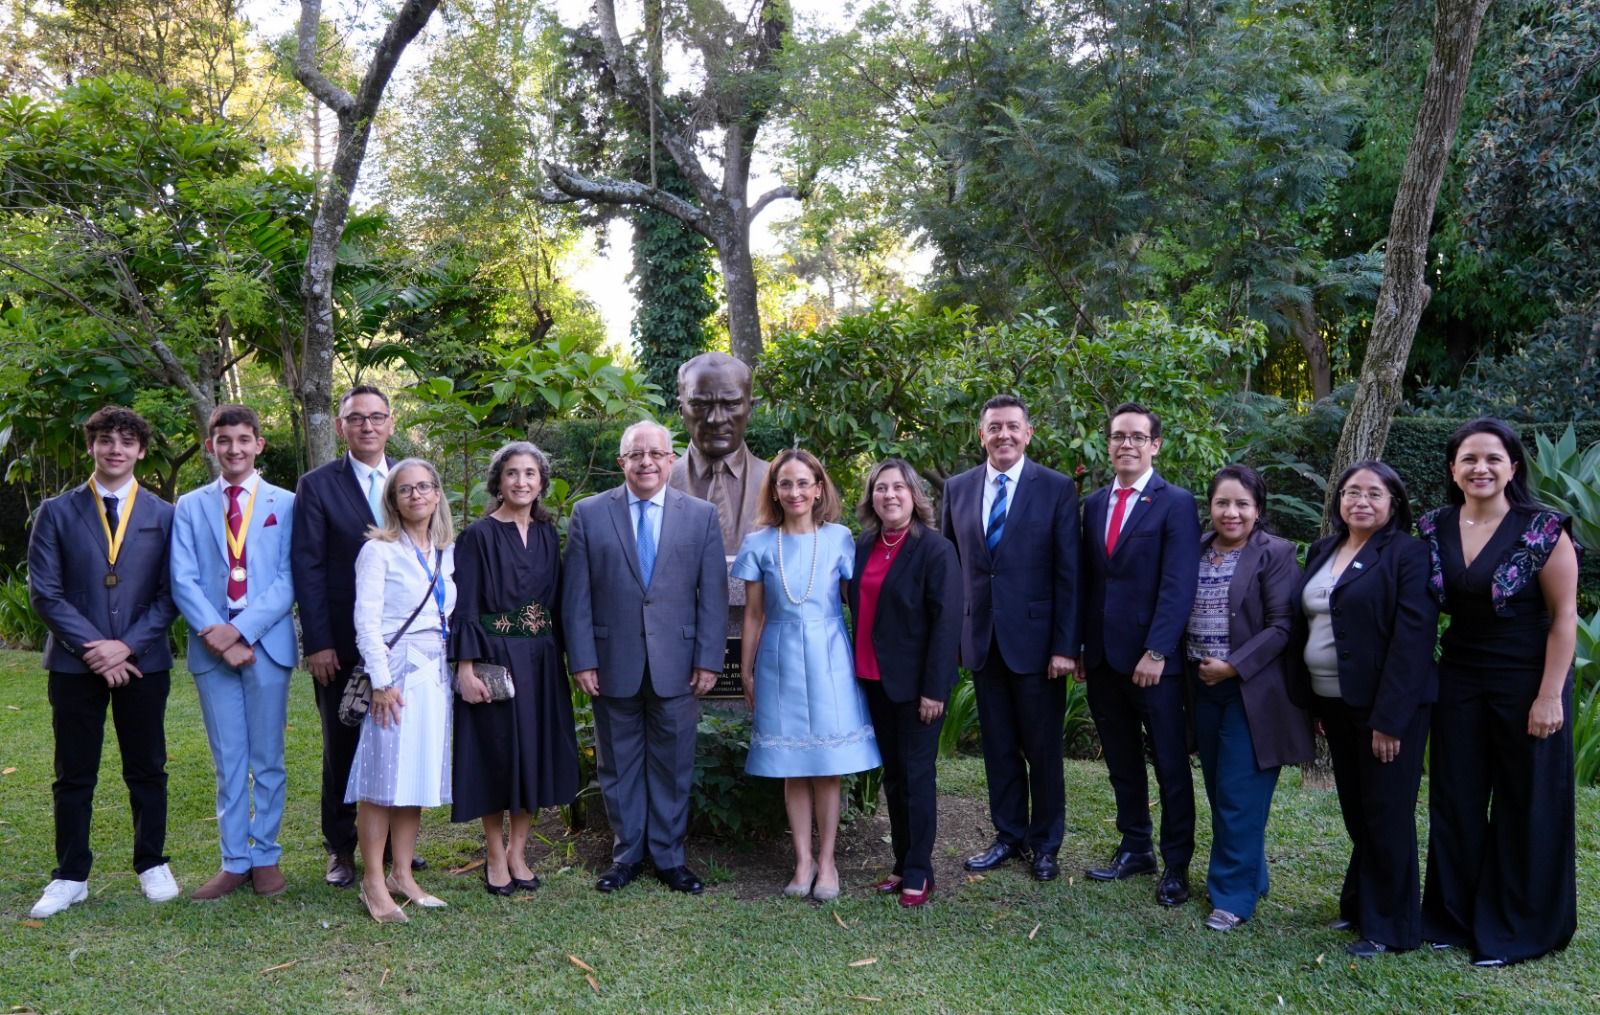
1245, 723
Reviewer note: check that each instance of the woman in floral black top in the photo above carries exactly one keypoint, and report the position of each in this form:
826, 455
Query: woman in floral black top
1501, 856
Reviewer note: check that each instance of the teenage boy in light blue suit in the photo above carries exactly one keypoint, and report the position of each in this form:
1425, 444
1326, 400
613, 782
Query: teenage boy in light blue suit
232, 583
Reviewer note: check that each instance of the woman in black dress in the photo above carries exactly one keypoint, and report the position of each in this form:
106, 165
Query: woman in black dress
1502, 874
520, 754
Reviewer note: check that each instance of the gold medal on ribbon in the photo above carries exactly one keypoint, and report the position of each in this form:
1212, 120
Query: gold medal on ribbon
114, 539
236, 543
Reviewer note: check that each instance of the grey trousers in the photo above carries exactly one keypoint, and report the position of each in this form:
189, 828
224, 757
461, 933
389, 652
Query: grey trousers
644, 758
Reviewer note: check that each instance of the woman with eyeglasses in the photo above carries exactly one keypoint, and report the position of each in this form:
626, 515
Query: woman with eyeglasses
518, 754
810, 719
405, 593
1502, 870
1365, 629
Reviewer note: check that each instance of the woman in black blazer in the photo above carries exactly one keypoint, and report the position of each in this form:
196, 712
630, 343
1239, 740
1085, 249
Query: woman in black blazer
905, 599
1366, 624
1245, 724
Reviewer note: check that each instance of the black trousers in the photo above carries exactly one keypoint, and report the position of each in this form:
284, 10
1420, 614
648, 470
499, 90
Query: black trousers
1020, 717
1382, 891
78, 704
1123, 714
339, 744
910, 749
1502, 867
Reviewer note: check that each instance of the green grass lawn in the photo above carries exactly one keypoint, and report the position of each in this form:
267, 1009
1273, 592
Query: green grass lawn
1001, 943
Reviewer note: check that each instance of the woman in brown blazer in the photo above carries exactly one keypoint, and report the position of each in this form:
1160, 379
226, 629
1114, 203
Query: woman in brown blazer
1245, 723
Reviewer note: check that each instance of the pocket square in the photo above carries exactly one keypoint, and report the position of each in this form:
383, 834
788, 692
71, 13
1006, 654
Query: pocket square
270, 522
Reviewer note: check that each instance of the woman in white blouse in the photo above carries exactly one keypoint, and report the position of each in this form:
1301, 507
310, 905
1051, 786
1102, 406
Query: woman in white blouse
403, 762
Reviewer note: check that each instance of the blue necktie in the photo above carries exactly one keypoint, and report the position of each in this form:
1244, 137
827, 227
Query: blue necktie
375, 495
997, 514
646, 543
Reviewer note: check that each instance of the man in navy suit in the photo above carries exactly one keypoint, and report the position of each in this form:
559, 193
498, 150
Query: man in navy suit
97, 576
1015, 527
334, 506
231, 581
1141, 551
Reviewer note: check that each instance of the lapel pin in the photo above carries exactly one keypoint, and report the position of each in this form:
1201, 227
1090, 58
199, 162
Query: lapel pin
1356, 565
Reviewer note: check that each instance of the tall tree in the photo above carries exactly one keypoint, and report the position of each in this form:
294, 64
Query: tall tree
355, 114
1405, 291
741, 92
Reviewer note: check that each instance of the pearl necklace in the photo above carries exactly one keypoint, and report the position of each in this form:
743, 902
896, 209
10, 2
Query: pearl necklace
888, 547
783, 577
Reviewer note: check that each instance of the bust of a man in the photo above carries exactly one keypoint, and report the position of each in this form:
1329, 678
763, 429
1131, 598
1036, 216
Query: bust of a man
714, 396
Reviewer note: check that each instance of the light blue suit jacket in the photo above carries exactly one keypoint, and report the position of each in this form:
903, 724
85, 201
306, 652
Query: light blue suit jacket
200, 573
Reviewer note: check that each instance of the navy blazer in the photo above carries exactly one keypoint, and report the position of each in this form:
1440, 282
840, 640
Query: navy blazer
1139, 598
66, 580
1385, 625
1260, 616
1024, 595
331, 518
916, 632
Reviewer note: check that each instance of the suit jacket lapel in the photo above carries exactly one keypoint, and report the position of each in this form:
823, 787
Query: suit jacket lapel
1143, 507
1365, 559
353, 491
1244, 571
1094, 516
974, 520
84, 503
624, 526
217, 517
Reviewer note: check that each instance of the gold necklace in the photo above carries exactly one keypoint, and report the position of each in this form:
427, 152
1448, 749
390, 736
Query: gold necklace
888, 547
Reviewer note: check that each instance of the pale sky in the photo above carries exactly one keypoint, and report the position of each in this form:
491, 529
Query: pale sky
602, 278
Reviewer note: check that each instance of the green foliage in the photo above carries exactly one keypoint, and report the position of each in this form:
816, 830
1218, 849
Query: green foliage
895, 381
723, 800
673, 283
20, 626
1549, 376
1586, 702
1568, 480
962, 731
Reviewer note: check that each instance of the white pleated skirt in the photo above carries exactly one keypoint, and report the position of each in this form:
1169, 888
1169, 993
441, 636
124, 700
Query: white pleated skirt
407, 763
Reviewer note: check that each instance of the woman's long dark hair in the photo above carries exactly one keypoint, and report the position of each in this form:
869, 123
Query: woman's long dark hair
1517, 492
1399, 514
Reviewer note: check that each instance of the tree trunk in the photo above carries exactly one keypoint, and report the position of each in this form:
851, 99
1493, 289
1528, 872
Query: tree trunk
1404, 292
1303, 323
739, 284
355, 113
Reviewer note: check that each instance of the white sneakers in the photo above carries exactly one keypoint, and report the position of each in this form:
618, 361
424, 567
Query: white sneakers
58, 895
158, 883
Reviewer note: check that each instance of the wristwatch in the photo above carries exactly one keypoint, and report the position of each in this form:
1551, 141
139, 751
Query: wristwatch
1156, 656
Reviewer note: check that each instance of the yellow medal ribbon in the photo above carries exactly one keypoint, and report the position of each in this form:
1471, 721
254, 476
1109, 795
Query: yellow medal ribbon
114, 542
236, 546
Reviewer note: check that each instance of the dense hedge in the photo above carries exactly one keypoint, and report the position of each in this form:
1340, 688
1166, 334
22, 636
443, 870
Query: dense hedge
584, 452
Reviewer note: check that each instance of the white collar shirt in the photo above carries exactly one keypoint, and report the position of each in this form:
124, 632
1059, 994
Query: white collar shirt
1137, 487
1013, 479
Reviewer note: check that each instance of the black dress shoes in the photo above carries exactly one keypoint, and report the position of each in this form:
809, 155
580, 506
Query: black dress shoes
993, 857
1173, 889
526, 884
1367, 949
341, 870
504, 891
418, 864
1045, 867
1124, 865
617, 876
681, 879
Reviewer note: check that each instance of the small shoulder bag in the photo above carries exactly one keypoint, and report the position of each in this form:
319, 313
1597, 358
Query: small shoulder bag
356, 701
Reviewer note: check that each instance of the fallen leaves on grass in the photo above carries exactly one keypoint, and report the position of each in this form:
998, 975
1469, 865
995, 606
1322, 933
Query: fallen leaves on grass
973, 879
32, 923
385, 977
281, 965
580, 963
840, 921
8, 771
1035, 931
864, 997
1319, 958
863, 962
467, 868
13, 708
594, 984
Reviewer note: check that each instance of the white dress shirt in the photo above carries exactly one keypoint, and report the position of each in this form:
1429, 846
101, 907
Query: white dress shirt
389, 584
363, 470
1013, 479
1127, 512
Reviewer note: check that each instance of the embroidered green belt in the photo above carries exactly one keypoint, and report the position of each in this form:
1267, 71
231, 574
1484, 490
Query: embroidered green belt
531, 621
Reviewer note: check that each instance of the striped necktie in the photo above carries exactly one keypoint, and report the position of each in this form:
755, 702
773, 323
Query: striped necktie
997, 514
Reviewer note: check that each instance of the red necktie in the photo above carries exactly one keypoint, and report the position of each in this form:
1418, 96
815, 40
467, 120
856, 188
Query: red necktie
1116, 520
236, 589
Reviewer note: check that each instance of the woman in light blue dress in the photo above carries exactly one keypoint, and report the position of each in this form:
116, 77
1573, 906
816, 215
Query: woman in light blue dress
811, 721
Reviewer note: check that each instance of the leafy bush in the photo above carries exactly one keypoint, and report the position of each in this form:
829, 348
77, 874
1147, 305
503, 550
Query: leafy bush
723, 800
1569, 481
1586, 702
962, 730
20, 626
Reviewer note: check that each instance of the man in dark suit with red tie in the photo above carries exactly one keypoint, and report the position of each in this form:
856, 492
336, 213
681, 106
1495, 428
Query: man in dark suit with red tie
1015, 527
1141, 552
334, 506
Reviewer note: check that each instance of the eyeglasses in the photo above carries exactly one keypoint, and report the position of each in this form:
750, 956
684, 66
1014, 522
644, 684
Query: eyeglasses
635, 457
793, 485
1138, 440
373, 419
407, 489
1351, 495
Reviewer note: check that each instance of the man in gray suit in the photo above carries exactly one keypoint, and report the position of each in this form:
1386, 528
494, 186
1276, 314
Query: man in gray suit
644, 610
